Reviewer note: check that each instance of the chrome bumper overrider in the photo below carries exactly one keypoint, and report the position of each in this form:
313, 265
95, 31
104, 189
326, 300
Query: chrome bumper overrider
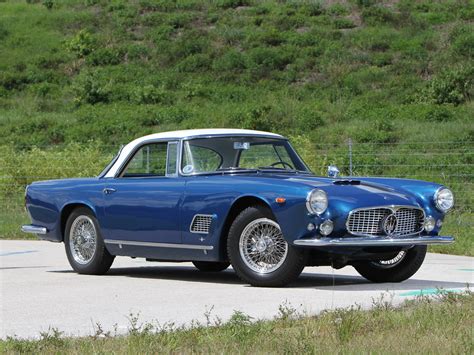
29, 228
373, 241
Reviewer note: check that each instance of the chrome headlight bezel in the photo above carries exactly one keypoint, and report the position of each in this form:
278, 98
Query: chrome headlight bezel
317, 201
440, 194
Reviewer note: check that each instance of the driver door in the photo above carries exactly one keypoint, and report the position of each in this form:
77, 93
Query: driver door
142, 204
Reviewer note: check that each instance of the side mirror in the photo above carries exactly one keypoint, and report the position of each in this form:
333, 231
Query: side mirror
333, 171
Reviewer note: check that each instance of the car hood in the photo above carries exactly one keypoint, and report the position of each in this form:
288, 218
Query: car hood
350, 193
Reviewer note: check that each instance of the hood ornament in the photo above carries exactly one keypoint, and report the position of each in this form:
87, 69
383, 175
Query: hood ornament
333, 171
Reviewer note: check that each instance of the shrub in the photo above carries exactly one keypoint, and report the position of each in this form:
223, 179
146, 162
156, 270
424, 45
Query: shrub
381, 130
453, 86
439, 114
378, 15
50, 61
190, 43
337, 10
312, 9
258, 118
49, 4
179, 20
82, 44
105, 56
226, 4
268, 59
232, 60
137, 51
271, 37
341, 23
3, 31
149, 94
464, 45
194, 63
91, 88
310, 119
232, 35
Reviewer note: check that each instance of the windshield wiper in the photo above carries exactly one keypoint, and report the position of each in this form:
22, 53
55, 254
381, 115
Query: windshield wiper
236, 168
294, 171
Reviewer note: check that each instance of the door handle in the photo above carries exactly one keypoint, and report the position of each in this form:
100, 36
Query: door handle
108, 190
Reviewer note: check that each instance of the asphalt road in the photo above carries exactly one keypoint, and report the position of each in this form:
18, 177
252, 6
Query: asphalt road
39, 290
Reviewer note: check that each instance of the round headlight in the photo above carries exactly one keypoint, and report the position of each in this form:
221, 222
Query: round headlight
444, 199
317, 201
430, 224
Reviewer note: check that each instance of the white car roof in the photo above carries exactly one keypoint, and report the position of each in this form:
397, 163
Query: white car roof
205, 132
189, 133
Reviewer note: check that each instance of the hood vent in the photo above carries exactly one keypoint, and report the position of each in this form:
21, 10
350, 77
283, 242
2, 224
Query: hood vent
346, 182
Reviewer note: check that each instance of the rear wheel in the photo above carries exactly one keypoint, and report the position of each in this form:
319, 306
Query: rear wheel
85, 248
210, 266
399, 268
258, 251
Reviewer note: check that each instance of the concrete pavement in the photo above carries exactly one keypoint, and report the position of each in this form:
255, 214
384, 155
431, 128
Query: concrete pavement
39, 290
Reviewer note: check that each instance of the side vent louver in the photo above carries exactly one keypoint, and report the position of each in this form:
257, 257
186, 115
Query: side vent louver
201, 223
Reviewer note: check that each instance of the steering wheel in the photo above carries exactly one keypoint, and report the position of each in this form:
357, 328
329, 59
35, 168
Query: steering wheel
284, 163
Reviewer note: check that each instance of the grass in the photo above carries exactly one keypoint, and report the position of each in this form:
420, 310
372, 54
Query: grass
80, 77
442, 324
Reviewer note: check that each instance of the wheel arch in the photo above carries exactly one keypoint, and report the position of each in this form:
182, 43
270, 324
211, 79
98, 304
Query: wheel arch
66, 212
239, 204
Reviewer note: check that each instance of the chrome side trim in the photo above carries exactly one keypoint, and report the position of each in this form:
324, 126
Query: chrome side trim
29, 228
158, 245
374, 241
393, 208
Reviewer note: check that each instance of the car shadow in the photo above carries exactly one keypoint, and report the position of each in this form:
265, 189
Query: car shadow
22, 267
320, 281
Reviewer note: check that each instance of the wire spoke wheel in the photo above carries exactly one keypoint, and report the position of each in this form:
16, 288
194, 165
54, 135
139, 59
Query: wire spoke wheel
83, 239
392, 262
262, 246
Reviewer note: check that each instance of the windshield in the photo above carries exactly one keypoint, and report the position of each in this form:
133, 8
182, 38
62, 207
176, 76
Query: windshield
208, 155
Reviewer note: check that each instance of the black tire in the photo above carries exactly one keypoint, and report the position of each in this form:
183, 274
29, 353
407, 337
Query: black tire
210, 266
400, 271
287, 272
101, 259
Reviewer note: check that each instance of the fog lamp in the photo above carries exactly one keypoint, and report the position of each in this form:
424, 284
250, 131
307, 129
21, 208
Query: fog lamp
326, 227
430, 223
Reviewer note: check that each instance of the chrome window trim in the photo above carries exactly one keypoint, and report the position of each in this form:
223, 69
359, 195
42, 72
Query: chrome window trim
393, 208
158, 245
168, 158
131, 147
185, 139
123, 166
201, 215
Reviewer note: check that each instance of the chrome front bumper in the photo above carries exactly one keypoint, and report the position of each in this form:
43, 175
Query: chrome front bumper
30, 228
372, 241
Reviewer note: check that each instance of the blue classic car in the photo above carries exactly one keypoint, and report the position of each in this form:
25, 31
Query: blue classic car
221, 197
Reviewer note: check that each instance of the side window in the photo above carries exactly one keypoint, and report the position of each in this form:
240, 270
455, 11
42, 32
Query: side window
149, 160
197, 159
172, 158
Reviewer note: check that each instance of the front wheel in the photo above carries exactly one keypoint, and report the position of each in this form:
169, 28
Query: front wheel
258, 251
399, 268
85, 247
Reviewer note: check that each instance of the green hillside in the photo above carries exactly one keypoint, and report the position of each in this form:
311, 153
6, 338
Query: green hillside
79, 78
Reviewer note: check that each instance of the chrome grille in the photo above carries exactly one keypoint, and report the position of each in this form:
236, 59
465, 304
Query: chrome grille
201, 223
368, 222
